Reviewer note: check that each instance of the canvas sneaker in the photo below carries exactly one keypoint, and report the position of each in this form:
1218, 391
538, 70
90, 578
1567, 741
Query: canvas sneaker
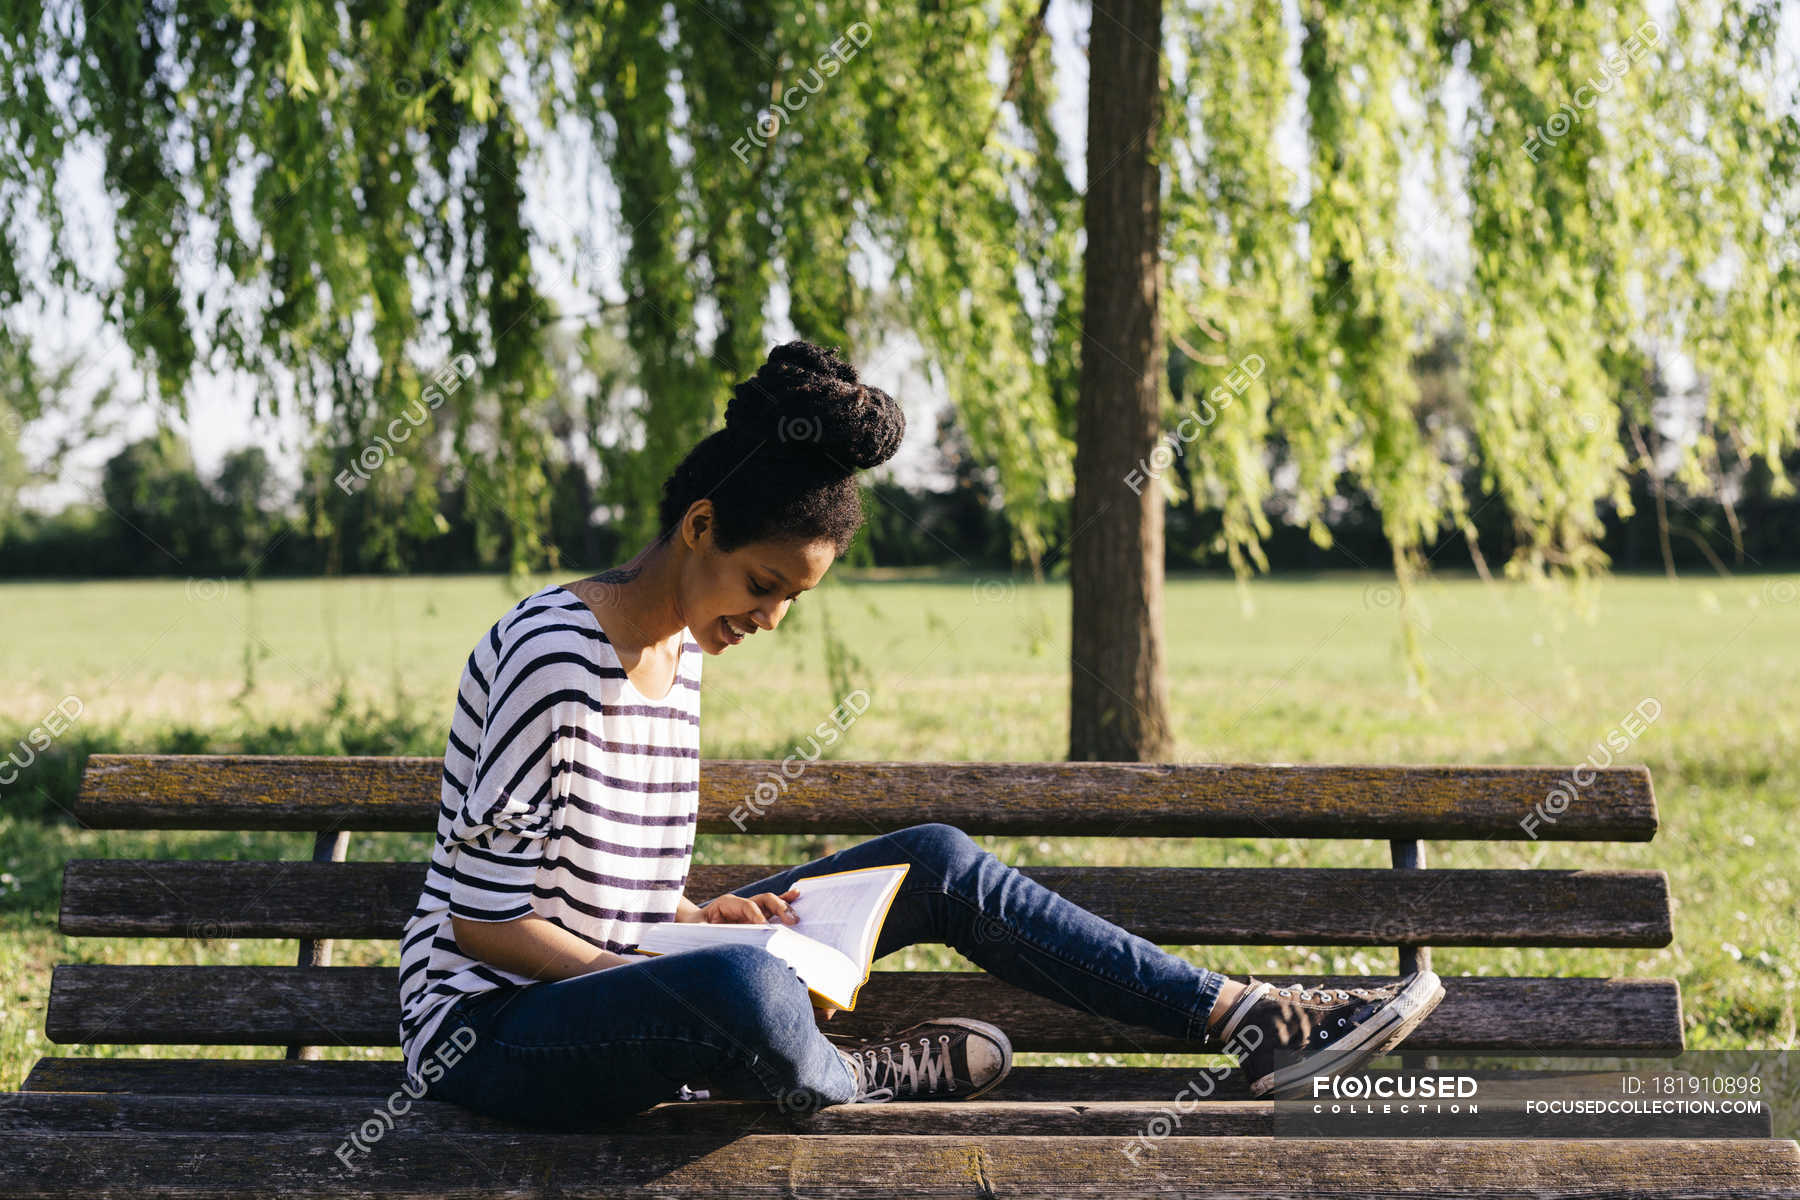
950, 1058
1283, 1036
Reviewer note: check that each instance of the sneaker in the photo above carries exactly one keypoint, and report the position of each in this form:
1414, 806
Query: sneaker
1331, 1030
950, 1058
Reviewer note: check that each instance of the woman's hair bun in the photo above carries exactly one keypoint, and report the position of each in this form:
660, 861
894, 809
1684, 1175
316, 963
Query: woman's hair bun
806, 401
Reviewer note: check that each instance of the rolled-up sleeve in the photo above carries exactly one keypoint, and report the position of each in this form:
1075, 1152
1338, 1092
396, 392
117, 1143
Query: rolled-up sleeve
497, 838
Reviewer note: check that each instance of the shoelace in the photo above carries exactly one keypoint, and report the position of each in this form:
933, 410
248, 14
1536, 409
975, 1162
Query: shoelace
1326, 995
884, 1075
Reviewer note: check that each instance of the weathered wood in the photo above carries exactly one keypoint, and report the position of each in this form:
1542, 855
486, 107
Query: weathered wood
50, 1114
362, 1077
1103, 799
1414, 953
1170, 905
359, 1006
329, 846
1180, 1114
229, 1166
215, 1076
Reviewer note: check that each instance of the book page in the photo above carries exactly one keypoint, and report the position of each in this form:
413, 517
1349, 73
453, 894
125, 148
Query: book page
830, 945
846, 910
669, 936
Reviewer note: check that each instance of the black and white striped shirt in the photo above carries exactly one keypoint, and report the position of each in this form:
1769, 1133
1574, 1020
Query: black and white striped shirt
566, 793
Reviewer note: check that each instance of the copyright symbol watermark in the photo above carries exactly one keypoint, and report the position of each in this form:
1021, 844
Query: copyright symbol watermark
991, 930
994, 591
1382, 595
798, 1102
799, 429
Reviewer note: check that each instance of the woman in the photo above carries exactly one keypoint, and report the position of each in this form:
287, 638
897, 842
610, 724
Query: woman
570, 787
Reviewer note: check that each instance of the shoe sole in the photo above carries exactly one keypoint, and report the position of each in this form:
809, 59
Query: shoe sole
1373, 1038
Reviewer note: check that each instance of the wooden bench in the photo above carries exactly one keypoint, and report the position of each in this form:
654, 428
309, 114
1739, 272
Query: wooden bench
217, 1127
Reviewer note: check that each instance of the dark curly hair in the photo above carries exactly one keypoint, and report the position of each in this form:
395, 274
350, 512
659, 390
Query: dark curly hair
784, 466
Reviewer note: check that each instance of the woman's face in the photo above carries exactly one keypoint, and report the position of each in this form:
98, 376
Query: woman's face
727, 596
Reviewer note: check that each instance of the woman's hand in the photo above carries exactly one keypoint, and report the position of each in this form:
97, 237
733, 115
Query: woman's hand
749, 910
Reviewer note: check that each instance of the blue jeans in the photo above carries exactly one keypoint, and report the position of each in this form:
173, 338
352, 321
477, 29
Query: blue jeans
577, 1053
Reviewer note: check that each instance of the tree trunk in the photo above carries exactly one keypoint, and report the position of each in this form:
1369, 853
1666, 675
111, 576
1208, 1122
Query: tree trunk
1119, 705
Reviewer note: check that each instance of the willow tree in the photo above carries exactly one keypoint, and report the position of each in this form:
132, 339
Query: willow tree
338, 199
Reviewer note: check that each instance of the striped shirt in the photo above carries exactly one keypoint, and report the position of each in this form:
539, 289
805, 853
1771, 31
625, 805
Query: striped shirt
566, 793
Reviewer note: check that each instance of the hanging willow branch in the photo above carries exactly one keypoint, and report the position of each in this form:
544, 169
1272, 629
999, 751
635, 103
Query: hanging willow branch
338, 198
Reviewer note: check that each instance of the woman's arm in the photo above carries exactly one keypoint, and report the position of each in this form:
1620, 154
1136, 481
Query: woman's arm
532, 946
542, 949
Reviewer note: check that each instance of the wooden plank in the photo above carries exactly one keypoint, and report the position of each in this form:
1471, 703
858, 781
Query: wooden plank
215, 1076
228, 1166
50, 1113
1102, 799
1170, 905
328, 847
1414, 956
359, 1006
365, 1078
57, 1114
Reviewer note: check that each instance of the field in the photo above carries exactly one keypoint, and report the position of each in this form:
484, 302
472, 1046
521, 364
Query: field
1286, 670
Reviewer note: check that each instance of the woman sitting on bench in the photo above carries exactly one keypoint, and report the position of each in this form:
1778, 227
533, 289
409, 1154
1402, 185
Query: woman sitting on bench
570, 792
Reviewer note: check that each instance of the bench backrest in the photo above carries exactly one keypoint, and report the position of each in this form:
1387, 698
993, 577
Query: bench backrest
1406, 906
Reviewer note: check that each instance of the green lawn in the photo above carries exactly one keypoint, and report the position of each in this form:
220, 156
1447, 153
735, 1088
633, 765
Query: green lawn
1287, 670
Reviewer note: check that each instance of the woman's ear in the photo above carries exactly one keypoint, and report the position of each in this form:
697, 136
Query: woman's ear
697, 523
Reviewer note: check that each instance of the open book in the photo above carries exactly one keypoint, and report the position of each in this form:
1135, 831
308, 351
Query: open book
831, 944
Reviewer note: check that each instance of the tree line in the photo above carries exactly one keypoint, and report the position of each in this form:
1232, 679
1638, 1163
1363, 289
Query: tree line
158, 515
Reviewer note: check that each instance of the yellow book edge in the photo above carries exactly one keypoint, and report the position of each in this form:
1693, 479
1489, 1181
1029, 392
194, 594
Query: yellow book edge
880, 924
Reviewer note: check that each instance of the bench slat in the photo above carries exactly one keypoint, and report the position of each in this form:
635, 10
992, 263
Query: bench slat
358, 1006
1200, 906
49, 1113
200, 1166
362, 1077
1046, 799
54, 1114
217, 1083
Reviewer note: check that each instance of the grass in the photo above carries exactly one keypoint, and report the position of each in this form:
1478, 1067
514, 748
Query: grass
1287, 670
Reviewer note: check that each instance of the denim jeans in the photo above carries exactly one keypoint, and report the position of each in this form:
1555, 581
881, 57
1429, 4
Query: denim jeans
577, 1053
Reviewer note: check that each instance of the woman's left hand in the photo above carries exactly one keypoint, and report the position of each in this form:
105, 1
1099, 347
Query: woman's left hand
749, 910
